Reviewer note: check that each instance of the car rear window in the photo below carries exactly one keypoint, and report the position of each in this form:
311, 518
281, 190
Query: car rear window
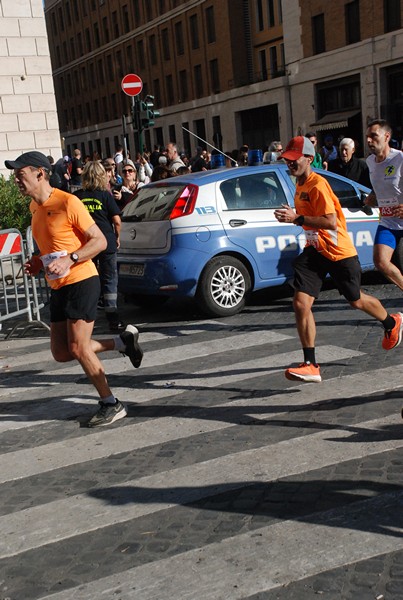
153, 203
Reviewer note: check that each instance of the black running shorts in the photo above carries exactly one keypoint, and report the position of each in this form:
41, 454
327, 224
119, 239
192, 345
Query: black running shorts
75, 301
311, 269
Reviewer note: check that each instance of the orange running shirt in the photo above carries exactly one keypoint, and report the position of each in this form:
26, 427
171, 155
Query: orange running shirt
59, 224
315, 198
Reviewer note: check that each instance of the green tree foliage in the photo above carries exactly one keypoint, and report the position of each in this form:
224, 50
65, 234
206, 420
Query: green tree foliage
14, 207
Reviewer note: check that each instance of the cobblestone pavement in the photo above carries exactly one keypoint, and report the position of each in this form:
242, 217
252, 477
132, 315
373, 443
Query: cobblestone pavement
225, 481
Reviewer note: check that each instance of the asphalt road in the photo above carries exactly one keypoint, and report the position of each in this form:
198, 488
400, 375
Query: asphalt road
225, 481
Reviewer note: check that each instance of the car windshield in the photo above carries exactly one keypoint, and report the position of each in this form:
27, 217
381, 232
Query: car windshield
152, 203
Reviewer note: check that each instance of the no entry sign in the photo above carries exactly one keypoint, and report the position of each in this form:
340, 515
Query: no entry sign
132, 84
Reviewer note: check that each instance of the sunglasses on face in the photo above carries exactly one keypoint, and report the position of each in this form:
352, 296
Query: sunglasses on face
127, 171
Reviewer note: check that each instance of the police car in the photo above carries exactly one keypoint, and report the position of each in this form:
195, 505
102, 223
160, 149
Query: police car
213, 235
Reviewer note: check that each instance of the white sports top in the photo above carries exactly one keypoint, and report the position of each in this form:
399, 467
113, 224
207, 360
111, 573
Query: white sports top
387, 183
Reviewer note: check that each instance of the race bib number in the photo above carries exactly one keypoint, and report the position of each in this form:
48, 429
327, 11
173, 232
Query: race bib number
48, 258
312, 238
387, 205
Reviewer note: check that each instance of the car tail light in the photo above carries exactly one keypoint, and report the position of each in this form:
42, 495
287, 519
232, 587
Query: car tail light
185, 203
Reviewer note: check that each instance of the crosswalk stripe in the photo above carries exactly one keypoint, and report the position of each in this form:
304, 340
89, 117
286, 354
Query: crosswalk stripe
118, 364
20, 359
156, 389
241, 566
84, 512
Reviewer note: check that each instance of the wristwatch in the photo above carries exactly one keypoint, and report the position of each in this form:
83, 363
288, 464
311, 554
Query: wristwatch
74, 257
299, 220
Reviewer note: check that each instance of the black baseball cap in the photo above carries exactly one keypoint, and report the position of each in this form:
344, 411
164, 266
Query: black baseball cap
29, 159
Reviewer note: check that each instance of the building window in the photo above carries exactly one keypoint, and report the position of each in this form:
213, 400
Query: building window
140, 54
259, 15
392, 15
114, 103
170, 89
338, 95
156, 92
54, 22
119, 62
186, 139
72, 48
149, 9
262, 65
352, 17
198, 80
96, 110
125, 19
101, 72
210, 25
318, 34
115, 24
183, 84
68, 12
96, 35
137, 16
194, 32
105, 29
153, 49
85, 8
179, 38
105, 109
88, 40
93, 78
109, 65
161, 7
108, 147
270, 13
280, 11
83, 78
165, 44
79, 44
214, 76
273, 61
172, 133
61, 20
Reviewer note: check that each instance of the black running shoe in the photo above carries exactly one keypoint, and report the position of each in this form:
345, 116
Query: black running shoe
107, 414
133, 350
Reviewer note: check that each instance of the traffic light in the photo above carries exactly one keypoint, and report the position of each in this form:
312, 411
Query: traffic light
147, 112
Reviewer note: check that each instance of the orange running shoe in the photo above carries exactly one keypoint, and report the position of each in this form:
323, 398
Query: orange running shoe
304, 372
392, 338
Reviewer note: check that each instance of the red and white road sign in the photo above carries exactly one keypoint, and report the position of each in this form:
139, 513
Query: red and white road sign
132, 84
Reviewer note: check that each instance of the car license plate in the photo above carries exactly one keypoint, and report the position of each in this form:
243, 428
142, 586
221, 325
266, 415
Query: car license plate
133, 270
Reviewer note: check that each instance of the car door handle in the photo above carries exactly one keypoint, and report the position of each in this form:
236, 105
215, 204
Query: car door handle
237, 222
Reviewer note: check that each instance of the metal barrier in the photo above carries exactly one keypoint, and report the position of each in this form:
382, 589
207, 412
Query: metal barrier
20, 294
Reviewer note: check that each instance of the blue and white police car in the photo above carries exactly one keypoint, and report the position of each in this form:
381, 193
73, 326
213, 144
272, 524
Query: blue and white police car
213, 235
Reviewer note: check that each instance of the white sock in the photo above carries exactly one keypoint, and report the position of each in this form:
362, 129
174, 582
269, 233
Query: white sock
120, 346
109, 400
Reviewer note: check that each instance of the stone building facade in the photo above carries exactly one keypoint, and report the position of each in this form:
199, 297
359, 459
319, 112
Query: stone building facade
28, 114
238, 71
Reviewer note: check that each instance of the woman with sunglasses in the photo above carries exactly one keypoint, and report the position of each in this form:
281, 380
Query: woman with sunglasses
131, 184
98, 200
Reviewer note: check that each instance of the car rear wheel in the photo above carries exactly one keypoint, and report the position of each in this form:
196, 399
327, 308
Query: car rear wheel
223, 286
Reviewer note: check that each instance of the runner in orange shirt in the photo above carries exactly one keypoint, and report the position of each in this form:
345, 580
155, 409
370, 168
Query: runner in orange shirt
68, 239
328, 250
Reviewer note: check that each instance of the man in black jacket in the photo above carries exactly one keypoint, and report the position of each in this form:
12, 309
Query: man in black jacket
349, 165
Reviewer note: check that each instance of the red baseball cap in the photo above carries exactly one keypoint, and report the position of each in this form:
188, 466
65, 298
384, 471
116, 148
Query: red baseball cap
297, 147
